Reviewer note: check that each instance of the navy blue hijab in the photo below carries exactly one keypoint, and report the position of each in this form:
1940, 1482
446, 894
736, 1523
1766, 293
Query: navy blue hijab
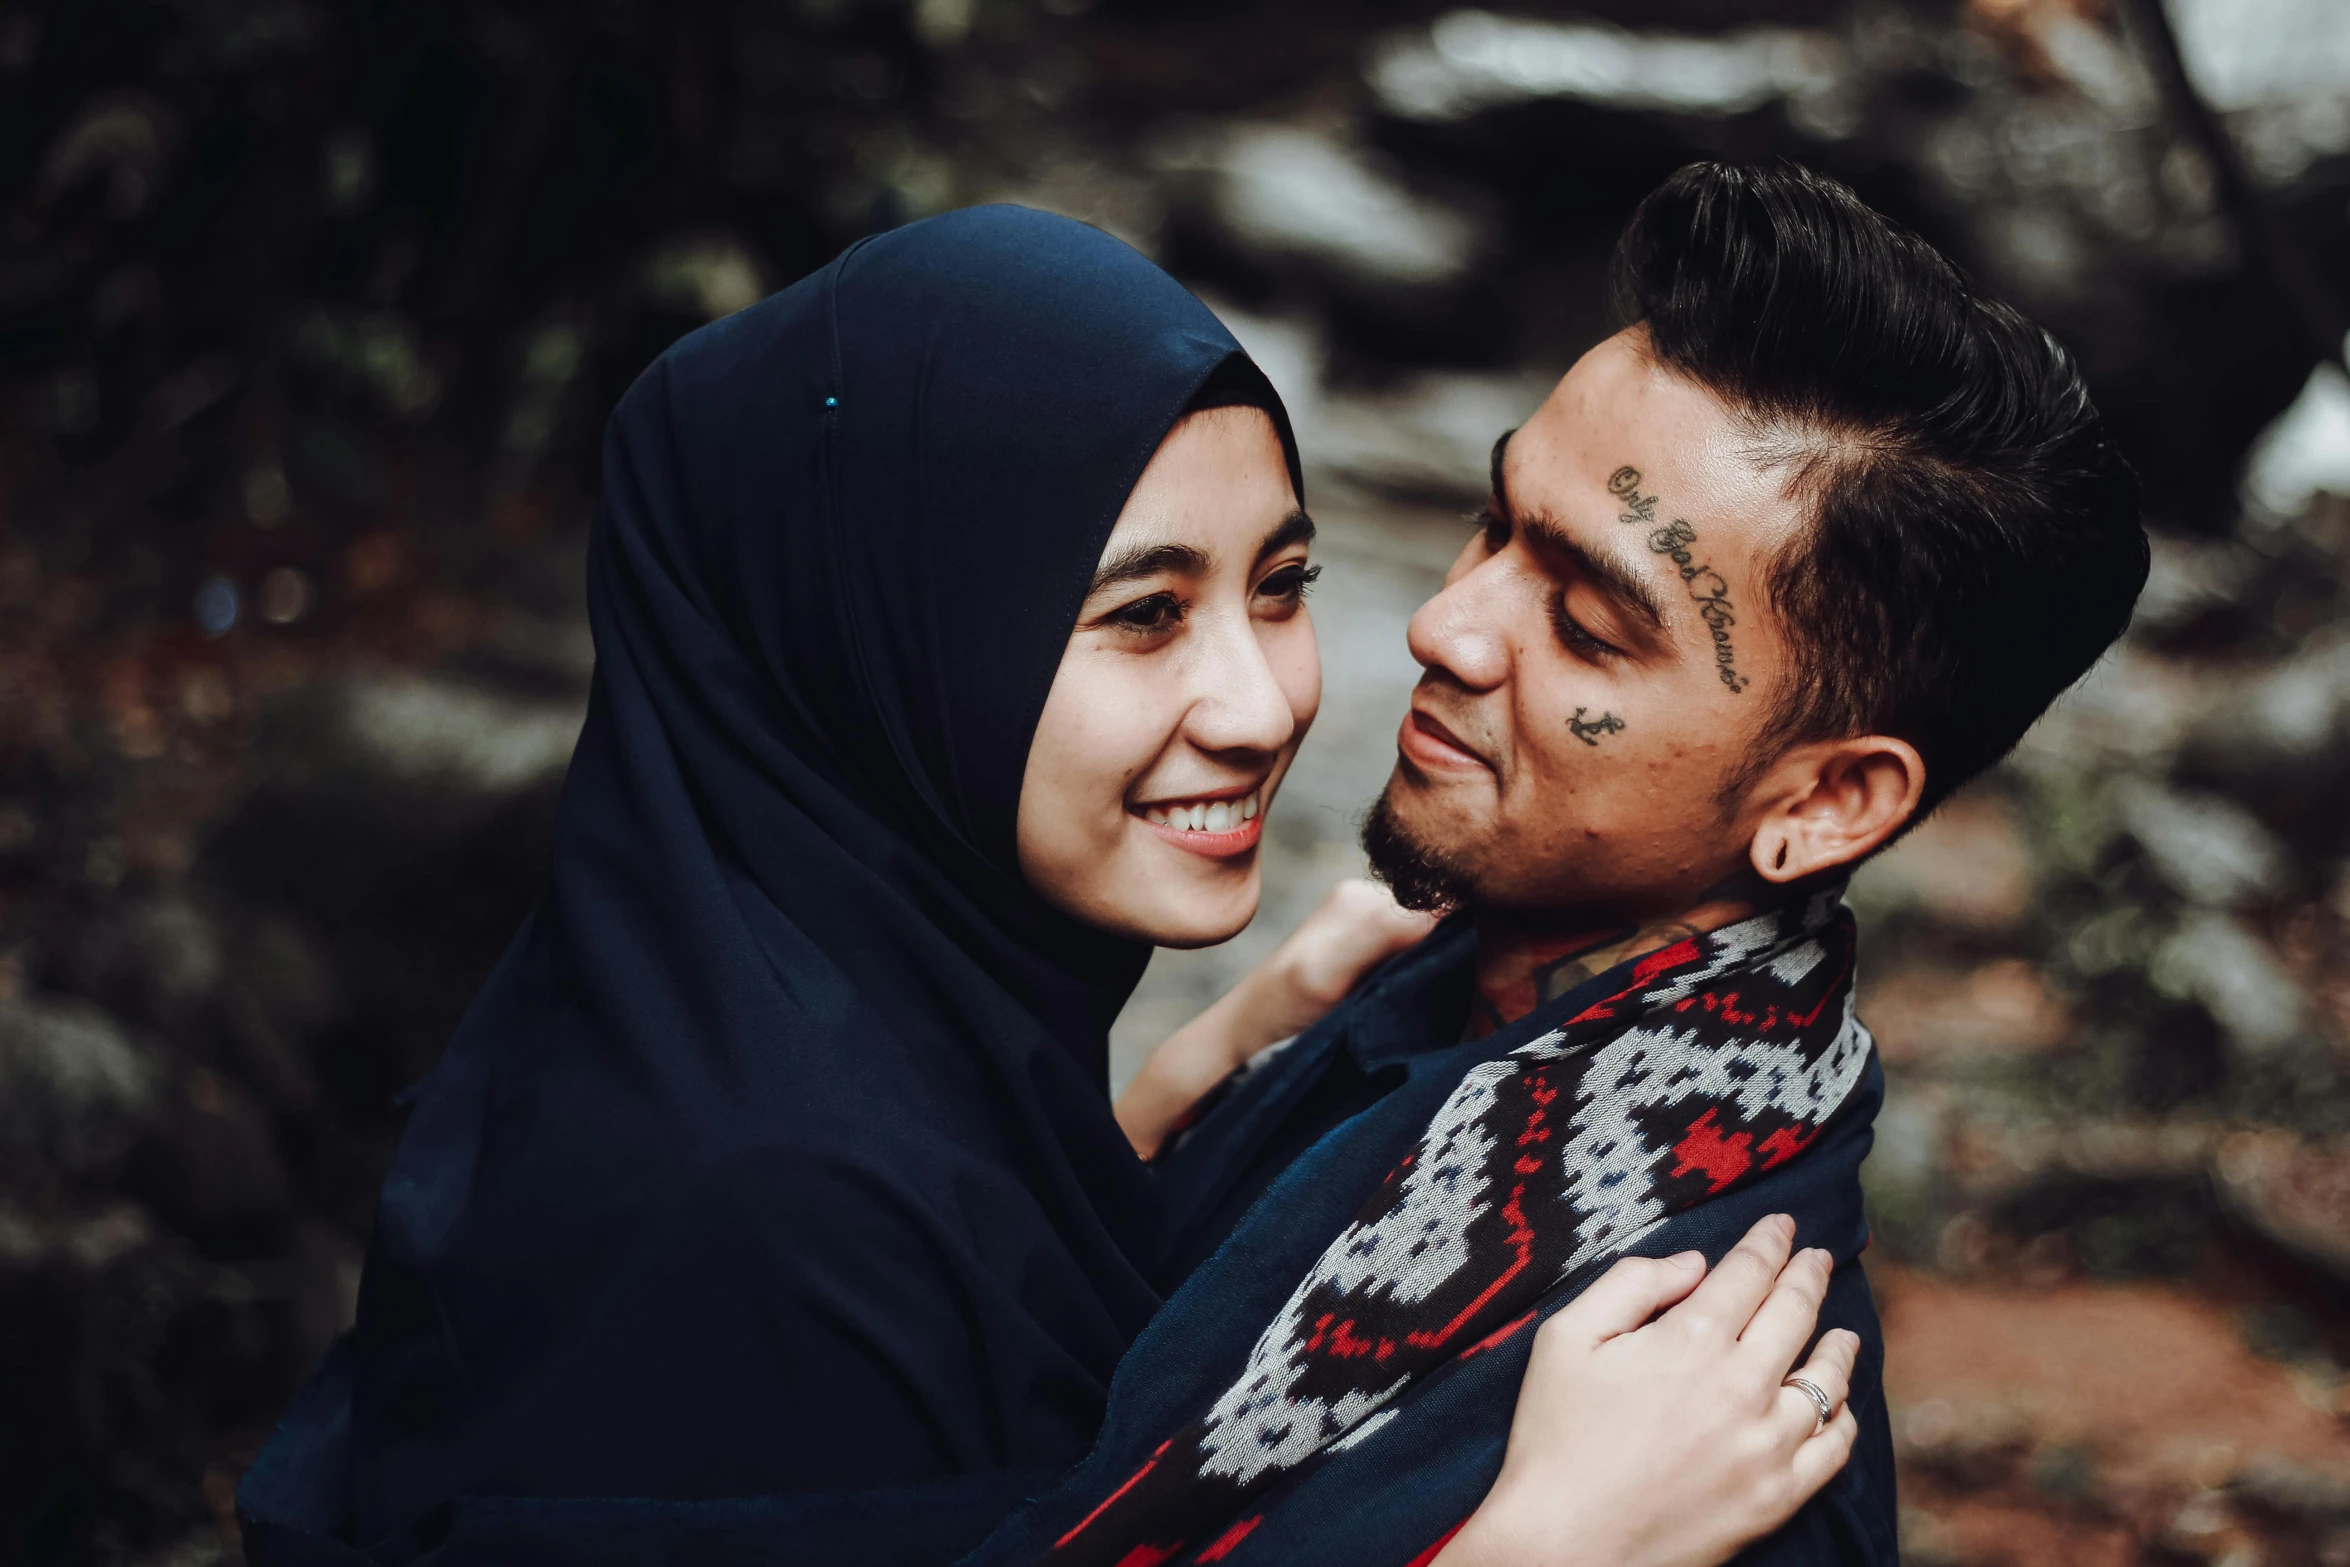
776, 1157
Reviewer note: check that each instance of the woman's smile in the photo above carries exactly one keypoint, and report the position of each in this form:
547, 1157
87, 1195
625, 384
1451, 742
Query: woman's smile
1219, 825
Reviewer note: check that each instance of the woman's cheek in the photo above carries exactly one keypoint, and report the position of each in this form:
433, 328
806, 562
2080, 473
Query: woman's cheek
1071, 797
1133, 716
1296, 658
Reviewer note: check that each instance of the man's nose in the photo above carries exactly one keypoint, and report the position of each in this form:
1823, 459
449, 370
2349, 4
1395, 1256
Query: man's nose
1461, 632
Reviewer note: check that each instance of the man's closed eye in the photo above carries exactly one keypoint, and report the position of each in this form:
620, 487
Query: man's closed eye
1576, 637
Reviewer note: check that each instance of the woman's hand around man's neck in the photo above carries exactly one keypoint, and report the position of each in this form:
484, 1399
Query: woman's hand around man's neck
1357, 927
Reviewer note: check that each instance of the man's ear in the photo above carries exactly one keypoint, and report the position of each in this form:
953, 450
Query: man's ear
1833, 802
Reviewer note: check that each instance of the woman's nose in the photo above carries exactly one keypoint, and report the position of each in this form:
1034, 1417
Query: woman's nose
1239, 704
1461, 633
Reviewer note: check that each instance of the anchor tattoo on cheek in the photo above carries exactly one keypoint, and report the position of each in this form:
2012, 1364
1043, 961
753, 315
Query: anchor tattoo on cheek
1706, 585
1589, 730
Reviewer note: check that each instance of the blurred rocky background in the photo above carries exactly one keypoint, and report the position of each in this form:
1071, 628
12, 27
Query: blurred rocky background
310, 314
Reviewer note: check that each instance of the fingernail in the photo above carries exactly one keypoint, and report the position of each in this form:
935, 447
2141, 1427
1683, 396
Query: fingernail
1819, 1254
1784, 1224
1686, 1260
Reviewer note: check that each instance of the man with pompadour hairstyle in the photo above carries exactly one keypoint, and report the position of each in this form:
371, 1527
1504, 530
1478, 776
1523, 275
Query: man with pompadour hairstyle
1804, 546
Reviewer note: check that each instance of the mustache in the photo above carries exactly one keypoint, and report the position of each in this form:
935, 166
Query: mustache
1442, 711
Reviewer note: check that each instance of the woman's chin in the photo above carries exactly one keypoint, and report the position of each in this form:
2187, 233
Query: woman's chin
1191, 939
1145, 888
1190, 917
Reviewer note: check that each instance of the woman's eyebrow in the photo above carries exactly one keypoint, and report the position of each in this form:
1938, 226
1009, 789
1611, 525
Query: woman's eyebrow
1296, 528
1148, 560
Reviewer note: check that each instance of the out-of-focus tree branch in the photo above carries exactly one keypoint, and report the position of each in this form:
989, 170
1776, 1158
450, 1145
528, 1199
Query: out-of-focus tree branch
2322, 318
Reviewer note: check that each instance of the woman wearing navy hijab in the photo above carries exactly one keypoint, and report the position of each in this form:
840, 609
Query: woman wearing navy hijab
776, 1155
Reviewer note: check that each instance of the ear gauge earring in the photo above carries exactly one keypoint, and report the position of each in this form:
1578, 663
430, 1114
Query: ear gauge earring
1780, 863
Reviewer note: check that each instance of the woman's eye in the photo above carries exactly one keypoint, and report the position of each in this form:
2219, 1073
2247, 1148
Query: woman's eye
1158, 612
1577, 640
1290, 584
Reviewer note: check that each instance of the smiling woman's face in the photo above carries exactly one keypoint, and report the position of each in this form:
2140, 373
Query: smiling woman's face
1186, 687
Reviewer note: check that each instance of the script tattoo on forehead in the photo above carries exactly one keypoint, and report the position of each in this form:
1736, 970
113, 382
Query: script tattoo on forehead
1676, 541
1589, 730
1624, 485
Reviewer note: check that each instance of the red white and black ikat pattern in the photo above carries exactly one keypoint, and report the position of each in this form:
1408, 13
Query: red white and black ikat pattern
1721, 1057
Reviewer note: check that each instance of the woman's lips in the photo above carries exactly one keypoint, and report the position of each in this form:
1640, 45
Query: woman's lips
1218, 826
1428, 744
1215, 845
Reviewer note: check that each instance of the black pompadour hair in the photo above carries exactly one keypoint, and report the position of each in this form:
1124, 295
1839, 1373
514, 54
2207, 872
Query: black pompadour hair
1974, 543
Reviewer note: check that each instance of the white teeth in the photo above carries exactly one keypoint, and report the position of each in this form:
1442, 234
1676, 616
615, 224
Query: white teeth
1205, 815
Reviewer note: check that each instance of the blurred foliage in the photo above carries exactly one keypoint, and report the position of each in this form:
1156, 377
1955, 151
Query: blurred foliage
310, 314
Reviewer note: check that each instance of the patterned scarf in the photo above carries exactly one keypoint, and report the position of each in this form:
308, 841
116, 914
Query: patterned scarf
1717, 1058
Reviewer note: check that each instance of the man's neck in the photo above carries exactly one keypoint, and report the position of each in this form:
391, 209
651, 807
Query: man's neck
1524, 963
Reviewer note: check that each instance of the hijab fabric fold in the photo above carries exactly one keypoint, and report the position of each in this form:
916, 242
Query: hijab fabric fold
775, 1158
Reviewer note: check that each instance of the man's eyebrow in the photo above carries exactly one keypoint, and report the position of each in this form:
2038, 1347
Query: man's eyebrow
1296, 528
1612, 577
1148, 560
1501, 491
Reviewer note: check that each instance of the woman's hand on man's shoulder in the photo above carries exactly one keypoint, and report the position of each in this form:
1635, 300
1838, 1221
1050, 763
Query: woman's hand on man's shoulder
1677, 1441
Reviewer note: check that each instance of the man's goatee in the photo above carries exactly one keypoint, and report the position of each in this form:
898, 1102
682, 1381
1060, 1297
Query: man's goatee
1419, 875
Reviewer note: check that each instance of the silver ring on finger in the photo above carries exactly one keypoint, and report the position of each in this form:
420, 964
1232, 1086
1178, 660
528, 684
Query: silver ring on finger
1819, 1399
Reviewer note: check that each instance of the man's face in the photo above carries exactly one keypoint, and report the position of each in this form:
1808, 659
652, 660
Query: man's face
1601, 661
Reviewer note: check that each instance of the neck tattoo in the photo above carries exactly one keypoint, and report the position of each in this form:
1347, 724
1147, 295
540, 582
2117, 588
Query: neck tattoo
1517, 979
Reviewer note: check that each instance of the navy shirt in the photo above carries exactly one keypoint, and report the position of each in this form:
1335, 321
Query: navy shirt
1312, 1127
